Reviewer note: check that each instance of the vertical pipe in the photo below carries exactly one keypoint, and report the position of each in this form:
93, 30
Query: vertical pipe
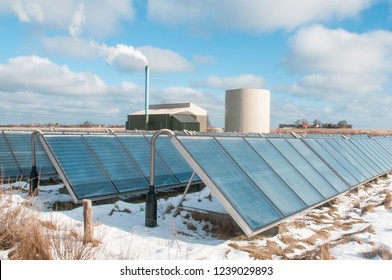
151, 199
146, 95
34, 177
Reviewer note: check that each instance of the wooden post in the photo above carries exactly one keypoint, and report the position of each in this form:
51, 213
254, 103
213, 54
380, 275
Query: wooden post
88, 221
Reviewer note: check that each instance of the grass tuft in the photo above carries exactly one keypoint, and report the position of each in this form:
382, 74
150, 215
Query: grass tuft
387, 201
382, 252
31, 242
29, 238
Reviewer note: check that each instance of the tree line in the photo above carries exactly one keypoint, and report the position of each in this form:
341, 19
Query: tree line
304, 123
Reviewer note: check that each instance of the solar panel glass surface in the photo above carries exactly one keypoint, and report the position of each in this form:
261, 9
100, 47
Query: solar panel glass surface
304, 167
320, 165
378, 152
9, 167
338, 154
286, 171
367, 146
361, 157
340, 168
80, 167
229, 180
138, 148
117, 164
173, 159
269, 182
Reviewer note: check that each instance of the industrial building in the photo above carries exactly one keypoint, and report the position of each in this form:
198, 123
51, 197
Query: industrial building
247, 110
175, 116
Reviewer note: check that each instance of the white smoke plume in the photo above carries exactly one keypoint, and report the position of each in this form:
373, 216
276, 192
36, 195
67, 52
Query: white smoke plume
123, 57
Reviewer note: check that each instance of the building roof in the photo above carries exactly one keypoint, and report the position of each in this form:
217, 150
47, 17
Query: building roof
185, 118
173, 108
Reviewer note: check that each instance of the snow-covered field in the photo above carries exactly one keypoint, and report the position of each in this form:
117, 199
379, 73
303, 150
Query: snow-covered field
355, 226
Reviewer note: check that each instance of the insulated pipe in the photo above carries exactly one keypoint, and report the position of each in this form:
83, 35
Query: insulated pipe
34, 173
151, 200
146, 94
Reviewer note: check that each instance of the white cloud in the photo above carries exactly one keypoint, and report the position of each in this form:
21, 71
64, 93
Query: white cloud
34, 89
337, 64
331, 50
78, 20
342, 75
99, 17
252, 15
36, 74
241, 81
103, 17
25, 11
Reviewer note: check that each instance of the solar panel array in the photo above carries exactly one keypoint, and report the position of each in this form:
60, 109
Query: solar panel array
263, 180
16, 157
98, 166
260, 179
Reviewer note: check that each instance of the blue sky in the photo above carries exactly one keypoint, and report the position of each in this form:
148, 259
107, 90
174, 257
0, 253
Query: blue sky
72, 61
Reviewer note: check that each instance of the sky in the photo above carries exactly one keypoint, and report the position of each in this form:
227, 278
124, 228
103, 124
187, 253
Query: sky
73, 61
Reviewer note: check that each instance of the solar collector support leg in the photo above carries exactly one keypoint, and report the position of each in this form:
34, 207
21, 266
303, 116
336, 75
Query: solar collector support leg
151, 200
186, 190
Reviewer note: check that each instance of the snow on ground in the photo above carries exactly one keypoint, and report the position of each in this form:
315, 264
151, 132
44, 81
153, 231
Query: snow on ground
356, 225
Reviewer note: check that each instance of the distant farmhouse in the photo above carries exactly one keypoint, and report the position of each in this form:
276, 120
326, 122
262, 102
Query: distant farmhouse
175, 116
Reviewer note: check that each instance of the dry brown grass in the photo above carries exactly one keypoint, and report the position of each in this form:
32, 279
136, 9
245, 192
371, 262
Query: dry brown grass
31, 242
351, 235
375, 132
381, 252
21, 231
283, 228
356, 205
29, 238
343, 225
169, 208
318, 235
11, 216
191, 226
318, 218
267, 252
347, 239
287, 239
67, 244
223, 226
49, 225
387, 201
368, 209
323, 253
299, 224
333, 209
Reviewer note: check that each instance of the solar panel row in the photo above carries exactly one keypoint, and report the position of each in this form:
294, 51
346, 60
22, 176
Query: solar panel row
98, 166
262, 180
259, 179
16, 158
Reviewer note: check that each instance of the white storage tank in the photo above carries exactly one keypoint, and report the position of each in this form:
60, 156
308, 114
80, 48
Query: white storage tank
247, 110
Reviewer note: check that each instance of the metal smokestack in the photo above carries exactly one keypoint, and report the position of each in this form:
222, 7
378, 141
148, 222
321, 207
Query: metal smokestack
146, 95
